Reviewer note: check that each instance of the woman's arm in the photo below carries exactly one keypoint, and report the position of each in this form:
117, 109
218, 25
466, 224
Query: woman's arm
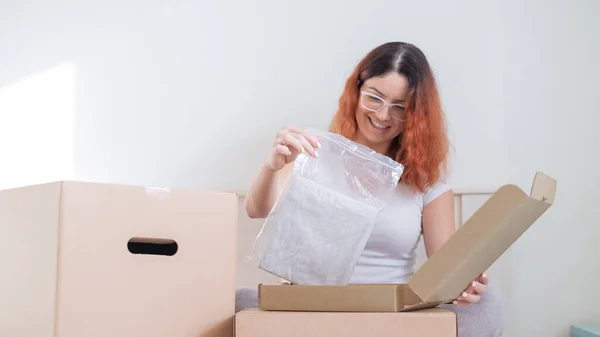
289, 143
438, 226
263, 191
438, 222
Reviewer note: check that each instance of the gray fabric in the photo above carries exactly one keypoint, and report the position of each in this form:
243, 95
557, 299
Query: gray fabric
246, 298
483, 319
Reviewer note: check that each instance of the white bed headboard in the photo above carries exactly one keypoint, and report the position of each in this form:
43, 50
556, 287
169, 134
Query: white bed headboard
468, 200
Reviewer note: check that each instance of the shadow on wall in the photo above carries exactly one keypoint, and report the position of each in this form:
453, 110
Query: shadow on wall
37, 120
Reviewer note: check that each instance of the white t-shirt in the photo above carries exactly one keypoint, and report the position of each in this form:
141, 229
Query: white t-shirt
389, 255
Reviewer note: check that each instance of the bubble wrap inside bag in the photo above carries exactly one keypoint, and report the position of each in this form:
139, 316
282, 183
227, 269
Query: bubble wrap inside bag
317, 243
326, 211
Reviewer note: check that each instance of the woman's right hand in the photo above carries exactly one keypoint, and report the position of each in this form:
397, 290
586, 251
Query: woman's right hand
289, 143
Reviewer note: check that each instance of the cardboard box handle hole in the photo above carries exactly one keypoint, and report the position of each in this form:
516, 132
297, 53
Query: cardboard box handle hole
152, 246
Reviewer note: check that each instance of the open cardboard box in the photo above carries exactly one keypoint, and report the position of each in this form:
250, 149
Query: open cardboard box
475, 246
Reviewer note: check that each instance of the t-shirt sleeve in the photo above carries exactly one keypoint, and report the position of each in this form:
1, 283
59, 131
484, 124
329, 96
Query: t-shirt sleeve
435, 191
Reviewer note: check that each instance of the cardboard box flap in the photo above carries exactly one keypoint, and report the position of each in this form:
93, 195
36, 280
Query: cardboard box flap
419, 306
482, 239
543, 188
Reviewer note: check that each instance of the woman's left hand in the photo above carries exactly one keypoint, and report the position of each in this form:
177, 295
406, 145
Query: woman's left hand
473, 293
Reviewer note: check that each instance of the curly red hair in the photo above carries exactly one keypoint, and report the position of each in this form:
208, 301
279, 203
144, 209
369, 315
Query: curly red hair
423, 145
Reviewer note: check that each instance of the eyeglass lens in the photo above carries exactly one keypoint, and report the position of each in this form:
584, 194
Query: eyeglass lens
376, 104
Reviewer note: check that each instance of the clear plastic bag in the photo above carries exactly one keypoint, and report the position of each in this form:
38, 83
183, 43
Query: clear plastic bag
326, 211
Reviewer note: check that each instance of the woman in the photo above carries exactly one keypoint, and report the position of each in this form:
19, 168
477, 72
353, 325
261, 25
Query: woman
390, 104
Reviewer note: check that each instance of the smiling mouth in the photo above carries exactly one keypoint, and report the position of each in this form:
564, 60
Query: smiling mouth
377, 125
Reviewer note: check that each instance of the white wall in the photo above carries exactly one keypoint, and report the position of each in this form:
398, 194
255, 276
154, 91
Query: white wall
551, 112
178, 94
190, 94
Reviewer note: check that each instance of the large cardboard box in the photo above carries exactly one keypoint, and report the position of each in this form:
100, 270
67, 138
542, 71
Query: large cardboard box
475, 246
87, 259
429, 322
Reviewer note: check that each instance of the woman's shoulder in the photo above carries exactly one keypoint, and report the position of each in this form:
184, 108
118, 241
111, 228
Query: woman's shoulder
433, 191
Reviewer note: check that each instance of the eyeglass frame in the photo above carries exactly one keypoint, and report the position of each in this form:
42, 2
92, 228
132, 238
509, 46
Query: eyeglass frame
385, 104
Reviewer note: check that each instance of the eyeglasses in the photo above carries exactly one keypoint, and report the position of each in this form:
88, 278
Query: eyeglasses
375, 103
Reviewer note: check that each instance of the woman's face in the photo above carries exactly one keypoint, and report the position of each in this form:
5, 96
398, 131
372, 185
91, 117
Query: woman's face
380, 111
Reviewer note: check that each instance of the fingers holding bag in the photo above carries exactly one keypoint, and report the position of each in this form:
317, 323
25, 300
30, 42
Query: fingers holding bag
298, 140
289, 143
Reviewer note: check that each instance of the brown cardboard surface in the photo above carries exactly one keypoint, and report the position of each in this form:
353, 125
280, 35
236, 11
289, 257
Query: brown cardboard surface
475, 246
72, 271
429, 322
364, 297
